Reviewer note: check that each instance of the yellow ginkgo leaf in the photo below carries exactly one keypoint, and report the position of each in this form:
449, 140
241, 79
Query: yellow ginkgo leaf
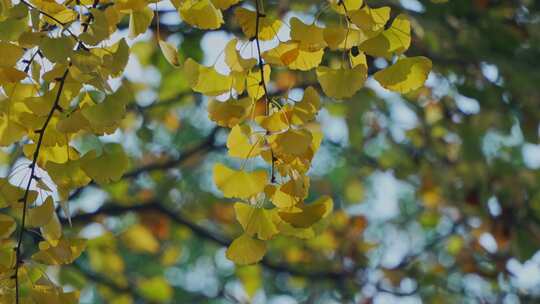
291, 142
307, 108
67, 176
41, 215
64, 252
200, 13
370, 20
170, 52
11, 53
240, 184
7, 226
394, 40
268, 27
310, 214
60, 12
107, 167
228, 113
288, 195
290, 54
406, 75
139, 239
345, 6
52, 231
257, 222
57, 49
246, 250
155, 290
11, 194
105, 117
206, 80
242, 143
358, 58
56, 153
73, 123
311, 36
98, 30
11, 75
234, 60
254, 82
10, 131
224, 4
139, 21
341, 83
275, 122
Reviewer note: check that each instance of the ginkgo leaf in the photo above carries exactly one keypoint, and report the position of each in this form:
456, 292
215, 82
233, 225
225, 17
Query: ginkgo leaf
139, 21
56, 153
64, 252
394, 40
10, 131
310, 36
290, 54
291, 142
10, 54
406, 75
98, 30
275, 122
240, 143
240, 184
11, 194
246, 250
254, 83
234, 60
200, 13
7, 226
60, 12
224, 4
370, 20
345, 6
107, 167
358, 58
51, 294
105, 117
341, 83
288, 195
206, 80
73, 123
247, 19
57, 49
257, 222
155, 290
170, 52
305, 111
139, 239
52, 231
41, 215
310, 214
228, 113
67, 176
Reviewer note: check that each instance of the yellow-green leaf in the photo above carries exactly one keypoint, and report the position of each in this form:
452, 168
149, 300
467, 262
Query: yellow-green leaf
406, 75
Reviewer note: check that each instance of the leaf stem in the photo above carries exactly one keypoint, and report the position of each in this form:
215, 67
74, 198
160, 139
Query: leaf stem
259, 12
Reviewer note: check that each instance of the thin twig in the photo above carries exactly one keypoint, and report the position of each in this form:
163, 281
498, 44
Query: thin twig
259, 15
33, 176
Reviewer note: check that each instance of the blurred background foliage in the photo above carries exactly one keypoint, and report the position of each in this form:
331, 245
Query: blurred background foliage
436, 192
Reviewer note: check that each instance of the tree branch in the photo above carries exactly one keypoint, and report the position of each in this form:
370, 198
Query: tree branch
205, 146
112, 209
